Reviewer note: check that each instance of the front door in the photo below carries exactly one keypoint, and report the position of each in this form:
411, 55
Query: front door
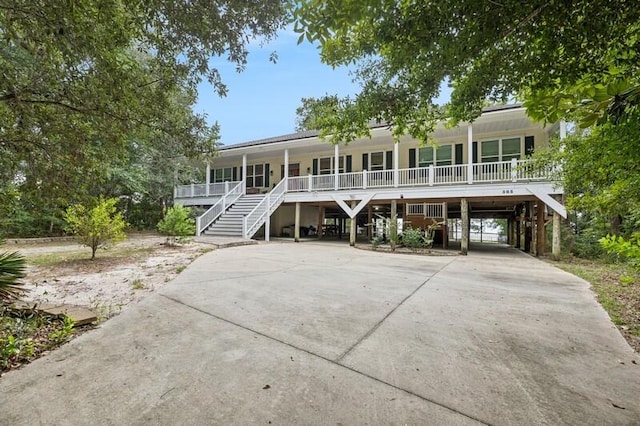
294, 170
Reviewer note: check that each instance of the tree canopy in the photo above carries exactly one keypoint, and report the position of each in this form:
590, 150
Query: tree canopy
553, 54
92, 88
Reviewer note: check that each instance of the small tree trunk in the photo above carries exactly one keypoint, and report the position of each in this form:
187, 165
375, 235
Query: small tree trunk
615, 222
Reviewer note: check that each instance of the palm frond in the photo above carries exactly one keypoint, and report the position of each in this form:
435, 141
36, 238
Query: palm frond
12, 270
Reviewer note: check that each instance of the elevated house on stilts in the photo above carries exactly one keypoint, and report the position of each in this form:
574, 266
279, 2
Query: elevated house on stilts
299, 185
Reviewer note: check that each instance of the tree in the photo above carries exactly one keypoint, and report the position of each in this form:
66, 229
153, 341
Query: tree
491, 50
177, 225
97, 226
81, 79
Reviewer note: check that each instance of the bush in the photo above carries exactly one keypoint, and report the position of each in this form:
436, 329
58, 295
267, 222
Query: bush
96, 227
625, 249
413, 238
376, 241
587, 245
177, 225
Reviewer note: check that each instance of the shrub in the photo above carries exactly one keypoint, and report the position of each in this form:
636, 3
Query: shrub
98, 226
177, 225
587, 245
625, 249
413, 238
376, 241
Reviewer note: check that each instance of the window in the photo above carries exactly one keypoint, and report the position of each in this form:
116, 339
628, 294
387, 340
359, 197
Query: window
223, 175
255, 175
377, 161
500, 150
326, 165
440, 156
444, 156
490, 151
425, 156
510, 149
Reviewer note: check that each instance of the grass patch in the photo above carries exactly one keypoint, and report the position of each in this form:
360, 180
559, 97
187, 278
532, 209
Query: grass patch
137, 284
617, 287
68, 257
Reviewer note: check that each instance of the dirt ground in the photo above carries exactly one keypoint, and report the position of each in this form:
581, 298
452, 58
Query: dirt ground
119, 276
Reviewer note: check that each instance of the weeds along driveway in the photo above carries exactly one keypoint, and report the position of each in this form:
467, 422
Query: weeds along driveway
324, 334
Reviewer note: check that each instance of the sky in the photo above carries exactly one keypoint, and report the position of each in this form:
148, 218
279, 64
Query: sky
262, 100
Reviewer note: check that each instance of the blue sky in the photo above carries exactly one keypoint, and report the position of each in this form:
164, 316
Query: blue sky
262, 100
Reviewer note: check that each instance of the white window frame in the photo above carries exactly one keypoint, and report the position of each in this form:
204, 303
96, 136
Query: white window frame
500, 139
341, 162
251, 173
223, 177
384, 165
435, 160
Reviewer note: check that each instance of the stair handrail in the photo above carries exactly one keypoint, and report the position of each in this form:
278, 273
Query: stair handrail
204, 220
262, 211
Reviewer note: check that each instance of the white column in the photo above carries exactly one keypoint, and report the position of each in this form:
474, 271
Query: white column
563, 129
395, 164
244, 173
337, 168
469, 154
352, 227
267, 223
286, 163
296, 229
207, 178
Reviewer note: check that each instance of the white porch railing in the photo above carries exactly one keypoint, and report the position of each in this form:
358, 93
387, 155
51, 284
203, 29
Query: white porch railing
230, 197
501, 171
262, 212
203, 190
434, 210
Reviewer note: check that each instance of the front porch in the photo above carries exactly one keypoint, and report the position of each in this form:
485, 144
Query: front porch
461, 175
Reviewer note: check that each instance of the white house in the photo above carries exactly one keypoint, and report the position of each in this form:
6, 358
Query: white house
296, 183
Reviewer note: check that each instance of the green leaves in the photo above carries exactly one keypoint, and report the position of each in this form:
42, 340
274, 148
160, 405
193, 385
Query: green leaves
177, 224
81, 80
96, 226
552, 56
12, 269
627, 249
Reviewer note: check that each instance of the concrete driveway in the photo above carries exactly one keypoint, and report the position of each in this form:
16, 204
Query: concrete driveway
314, 333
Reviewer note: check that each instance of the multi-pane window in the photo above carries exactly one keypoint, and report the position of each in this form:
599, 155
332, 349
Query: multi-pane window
490, 151
255, 175
377, 161
500, 150
440, 156
326, 165
511, 148
223, 175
